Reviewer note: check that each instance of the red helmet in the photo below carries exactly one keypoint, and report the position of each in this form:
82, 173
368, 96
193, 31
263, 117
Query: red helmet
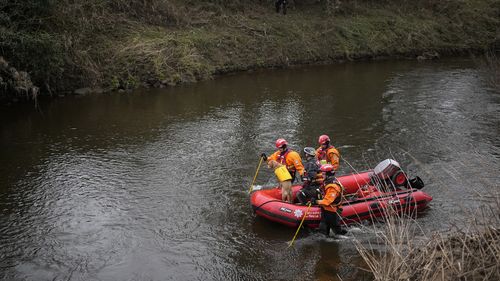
327, 168
323, 139
280, 143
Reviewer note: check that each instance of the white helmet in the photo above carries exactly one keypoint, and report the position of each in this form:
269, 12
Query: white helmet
310, 151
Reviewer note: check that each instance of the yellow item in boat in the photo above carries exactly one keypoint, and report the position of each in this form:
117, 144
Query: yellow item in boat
282, 174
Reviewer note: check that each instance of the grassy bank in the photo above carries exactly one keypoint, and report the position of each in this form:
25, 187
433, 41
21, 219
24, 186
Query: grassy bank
119, 44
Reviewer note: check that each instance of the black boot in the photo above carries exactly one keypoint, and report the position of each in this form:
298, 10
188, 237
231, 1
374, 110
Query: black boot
277, 5
336, 224
340, 231
324, 228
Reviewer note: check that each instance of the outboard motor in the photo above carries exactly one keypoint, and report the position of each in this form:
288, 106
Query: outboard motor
388, 174
386, 169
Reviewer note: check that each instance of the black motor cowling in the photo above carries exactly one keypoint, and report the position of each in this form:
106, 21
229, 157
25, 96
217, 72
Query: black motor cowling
416, 182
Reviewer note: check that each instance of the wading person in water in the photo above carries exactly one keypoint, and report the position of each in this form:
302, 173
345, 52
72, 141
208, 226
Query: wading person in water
330, 204
287, 157
284, 178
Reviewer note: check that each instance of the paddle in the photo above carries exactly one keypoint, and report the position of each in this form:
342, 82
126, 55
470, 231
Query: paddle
256, 172
300, 225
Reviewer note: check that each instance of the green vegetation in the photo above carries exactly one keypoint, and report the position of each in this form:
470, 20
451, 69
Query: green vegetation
114, 44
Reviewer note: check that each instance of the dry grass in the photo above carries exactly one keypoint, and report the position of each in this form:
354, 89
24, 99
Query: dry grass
403, 251
124, 44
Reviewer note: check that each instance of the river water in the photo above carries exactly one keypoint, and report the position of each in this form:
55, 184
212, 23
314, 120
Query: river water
153, 185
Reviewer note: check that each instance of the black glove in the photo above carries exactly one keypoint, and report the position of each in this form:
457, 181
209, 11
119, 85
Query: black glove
313, 201
264, 156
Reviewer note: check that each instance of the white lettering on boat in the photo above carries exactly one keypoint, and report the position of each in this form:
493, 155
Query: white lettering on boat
286, 210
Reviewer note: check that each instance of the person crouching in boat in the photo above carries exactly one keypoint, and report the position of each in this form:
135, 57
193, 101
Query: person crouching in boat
287, 157
327, 153
312, 179
284, 178
330, 204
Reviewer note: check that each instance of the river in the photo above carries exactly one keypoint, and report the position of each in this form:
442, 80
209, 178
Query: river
152, 185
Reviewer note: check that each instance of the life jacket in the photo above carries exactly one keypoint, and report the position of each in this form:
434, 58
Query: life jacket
318, 178
323, 153
282, 174
313, 172
337, 200
282, 160
311, 169
336, 203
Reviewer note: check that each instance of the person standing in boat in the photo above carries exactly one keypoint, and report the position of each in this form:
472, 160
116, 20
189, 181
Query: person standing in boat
312, 177
290, 158
330, 204
327, 153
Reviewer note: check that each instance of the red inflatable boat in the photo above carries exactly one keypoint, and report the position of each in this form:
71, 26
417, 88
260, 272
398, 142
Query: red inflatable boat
367, 195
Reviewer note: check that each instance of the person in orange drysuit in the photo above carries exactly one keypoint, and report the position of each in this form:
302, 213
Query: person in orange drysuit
330, 204
327, 152
287, 157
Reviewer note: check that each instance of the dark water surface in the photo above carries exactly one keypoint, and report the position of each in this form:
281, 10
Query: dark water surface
153, 185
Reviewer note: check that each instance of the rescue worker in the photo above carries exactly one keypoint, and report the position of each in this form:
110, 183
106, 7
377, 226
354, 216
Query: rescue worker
327, 153
280, 3
312, 177
287, 157
330, 204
